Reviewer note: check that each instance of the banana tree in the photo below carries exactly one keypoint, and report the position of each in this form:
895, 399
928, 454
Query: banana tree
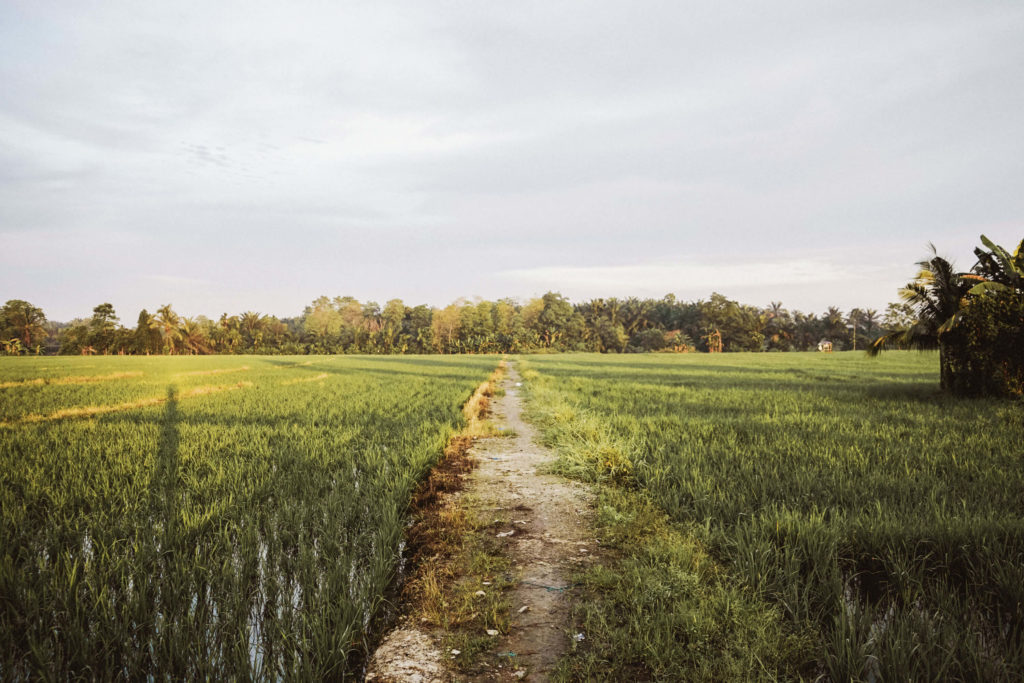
12, 347
937, 295
997, 270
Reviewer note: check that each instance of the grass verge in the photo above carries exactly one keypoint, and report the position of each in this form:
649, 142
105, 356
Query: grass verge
658, 606
880, 519
459, 579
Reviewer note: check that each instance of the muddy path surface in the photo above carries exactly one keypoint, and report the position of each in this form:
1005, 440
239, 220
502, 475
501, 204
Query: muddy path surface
543, 523
545, 520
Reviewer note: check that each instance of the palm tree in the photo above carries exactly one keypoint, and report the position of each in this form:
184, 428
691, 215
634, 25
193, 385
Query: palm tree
835, 323
807, 330
227, 333
169, 322
936, 295
853, 320
777, 326
251, 323
193, 337
636, 314
869, 318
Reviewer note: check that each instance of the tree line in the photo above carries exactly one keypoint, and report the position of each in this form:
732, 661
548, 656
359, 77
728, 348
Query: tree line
551, 322
974, 318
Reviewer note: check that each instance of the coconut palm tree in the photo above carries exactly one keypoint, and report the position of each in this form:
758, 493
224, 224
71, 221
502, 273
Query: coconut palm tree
869, 319
226, 333
853, 322
169, 322
936, 295
808, 329
636, 314
835, 324
251, 324
193, 336
778, 326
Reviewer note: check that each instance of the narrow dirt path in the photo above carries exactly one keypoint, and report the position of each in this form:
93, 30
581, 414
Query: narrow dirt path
545, 522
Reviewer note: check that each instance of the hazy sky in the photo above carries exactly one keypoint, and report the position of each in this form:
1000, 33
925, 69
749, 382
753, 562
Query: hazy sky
234, 156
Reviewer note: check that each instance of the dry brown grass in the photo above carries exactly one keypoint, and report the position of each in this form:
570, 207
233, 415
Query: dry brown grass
437, 535
218, 371
447, 560
478, 407
93, 411
317, 378
69, 380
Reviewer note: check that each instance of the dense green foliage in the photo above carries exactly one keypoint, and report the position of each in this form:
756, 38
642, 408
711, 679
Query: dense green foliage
844, 492
551, 322
665, 610
974, 319
988, 346
22, 326
226, 518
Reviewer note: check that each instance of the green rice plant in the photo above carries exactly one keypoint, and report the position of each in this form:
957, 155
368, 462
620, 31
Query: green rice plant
664, 609
846, 493
211, 517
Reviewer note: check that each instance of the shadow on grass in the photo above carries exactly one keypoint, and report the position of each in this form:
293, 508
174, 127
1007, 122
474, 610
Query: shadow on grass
165, 475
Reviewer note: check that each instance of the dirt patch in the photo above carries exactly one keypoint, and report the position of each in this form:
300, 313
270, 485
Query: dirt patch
411, 652
431, 532
496, 550
435, 541
544, 522
407, 656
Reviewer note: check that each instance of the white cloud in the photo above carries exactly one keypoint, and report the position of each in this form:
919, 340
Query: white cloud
650, 278
756, 281
178, 280
400, 149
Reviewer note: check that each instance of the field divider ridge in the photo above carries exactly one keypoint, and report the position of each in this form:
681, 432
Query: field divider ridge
437, 550
315, 378
216, 371
93, 411
82, 379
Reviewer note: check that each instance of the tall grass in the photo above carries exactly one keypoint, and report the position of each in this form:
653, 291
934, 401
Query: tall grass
845, 492
240, 534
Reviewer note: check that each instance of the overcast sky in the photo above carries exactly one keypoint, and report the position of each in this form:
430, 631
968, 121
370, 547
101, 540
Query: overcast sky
249, 156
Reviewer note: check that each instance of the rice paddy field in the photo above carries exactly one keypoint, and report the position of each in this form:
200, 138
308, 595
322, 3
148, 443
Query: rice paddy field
830, 516
210, 517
